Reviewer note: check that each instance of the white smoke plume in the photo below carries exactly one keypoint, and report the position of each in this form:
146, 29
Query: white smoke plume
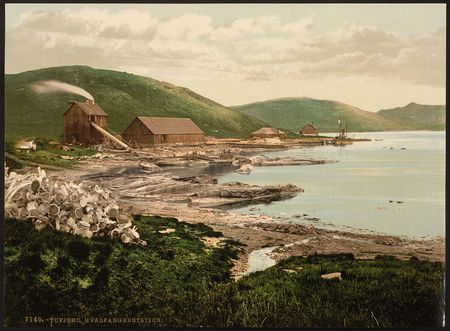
54, 86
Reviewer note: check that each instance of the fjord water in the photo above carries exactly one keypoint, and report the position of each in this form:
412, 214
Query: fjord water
356, 191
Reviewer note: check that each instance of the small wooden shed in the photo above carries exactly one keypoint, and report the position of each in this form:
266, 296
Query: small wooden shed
269, 133
309, 130
77, 119
282, 135
144, 131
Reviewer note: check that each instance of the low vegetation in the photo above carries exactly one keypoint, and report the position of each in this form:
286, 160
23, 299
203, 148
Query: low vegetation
177, 280
45, 154
50, 273
384, 292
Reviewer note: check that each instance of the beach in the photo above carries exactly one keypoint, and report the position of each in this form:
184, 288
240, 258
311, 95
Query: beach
144, 182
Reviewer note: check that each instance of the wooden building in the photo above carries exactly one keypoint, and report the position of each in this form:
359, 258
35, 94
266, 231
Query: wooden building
77, 119
282, 135
309, 130
268, 133
144, 131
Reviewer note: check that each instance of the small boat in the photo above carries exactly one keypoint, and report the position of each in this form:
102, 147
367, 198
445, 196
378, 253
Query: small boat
341, 138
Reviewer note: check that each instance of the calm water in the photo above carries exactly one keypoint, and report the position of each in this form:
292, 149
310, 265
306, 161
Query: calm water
355, 192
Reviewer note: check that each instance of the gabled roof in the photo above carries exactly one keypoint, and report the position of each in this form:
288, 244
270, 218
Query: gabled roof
169, 125
266, 131
88, 108
310, 125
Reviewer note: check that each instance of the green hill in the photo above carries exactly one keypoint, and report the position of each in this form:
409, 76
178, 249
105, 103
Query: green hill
431, 117
122, 95
293, 113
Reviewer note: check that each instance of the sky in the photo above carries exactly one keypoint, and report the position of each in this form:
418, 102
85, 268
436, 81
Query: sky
373, 56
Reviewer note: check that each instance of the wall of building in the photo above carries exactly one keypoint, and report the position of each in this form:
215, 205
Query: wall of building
77, 127
259, 135
188, 138
309, 130
101, 121
139, 135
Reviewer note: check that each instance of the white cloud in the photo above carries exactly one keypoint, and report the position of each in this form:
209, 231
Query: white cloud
374, 52
186, 27
298, 27
263, 48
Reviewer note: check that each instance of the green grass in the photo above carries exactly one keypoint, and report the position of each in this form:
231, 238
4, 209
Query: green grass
178, 281
55, 274
44, 157
384, 292
123, 96
293, 113
45, 154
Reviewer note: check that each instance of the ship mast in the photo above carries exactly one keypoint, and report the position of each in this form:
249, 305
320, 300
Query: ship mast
339, 130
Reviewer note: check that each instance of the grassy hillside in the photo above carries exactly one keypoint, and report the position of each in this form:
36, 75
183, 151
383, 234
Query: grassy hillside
294, 113
417, 116
122, 95
178, 281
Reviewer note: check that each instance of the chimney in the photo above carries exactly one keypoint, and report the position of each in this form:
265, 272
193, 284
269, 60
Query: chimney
90, 101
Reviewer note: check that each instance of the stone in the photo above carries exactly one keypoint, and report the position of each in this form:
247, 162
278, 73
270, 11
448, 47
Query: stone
333, 275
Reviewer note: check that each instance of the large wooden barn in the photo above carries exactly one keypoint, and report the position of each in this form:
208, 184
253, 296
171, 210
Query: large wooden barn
77, 123
309, 130
268, 133
144, 131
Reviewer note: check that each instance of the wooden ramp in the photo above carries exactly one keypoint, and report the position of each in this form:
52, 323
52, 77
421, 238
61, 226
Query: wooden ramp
110, 136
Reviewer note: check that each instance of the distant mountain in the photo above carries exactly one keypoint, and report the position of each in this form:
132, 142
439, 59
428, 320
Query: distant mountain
293, 113
122, 95
417, 117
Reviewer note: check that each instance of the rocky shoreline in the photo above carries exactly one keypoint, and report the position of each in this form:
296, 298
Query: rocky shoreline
259, 231
143, 182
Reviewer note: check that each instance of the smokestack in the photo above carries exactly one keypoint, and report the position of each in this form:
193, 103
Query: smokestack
90, 101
